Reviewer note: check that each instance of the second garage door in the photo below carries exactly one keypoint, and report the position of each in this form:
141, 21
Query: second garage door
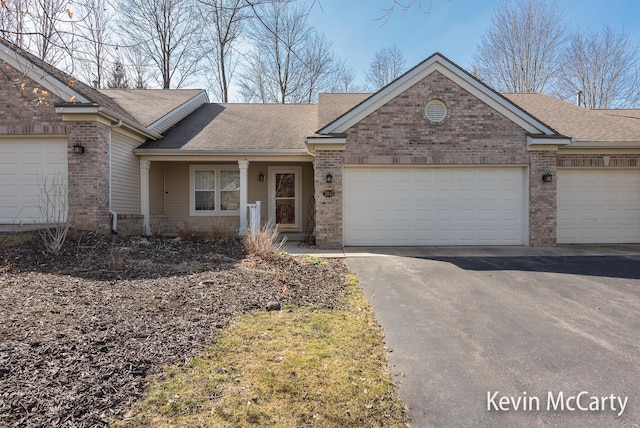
434, 206
598, 206
24, 164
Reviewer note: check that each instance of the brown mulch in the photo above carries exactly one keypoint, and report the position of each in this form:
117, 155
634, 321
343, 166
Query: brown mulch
82, 332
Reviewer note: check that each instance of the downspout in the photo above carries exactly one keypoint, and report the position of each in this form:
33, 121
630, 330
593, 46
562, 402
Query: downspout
114, 215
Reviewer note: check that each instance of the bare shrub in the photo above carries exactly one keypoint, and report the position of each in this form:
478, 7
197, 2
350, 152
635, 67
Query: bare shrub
222, 230
158, 227
115, 260
53, 205
265, 243
189, 232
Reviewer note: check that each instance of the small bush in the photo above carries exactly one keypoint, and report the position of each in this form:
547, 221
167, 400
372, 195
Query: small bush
115, 261
188, 232
266, 243
222, 230
54, 211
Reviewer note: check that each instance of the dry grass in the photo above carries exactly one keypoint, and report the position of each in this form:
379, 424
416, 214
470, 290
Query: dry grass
189, 232
221, 229
15, 239
266, 243
293, 368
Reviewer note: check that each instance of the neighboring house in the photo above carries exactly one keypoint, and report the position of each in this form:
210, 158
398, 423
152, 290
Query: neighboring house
434, 158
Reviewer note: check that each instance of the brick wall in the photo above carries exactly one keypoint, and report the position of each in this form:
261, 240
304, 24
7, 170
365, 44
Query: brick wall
328, 208
473, 134
23, 114
598, 160
542, 199
89, 176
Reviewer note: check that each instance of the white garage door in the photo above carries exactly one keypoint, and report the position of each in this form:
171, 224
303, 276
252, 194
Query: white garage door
23, 164
598, 206
434, 206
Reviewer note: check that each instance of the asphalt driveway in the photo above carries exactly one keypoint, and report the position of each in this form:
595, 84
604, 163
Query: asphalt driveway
503, 341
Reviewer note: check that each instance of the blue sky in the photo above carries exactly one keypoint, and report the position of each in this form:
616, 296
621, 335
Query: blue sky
452, 27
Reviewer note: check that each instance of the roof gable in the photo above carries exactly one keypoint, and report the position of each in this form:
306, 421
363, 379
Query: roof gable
437, 62
40, 72
158, 109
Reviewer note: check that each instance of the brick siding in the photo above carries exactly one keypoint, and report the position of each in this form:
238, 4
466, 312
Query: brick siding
88, 174
473, 134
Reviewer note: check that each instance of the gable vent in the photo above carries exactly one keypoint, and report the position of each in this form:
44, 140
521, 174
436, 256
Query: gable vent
435, 111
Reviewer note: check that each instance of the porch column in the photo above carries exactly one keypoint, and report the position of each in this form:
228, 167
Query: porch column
145, 165
244, 194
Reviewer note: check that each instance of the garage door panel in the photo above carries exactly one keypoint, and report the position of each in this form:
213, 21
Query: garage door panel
434, 206
24, 163
598, 206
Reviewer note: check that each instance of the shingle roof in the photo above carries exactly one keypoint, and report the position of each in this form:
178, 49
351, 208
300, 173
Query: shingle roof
332, 106
149, 105
86, 91
242, 127
605, 126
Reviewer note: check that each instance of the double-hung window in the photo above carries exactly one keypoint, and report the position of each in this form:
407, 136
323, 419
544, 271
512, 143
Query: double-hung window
214, 190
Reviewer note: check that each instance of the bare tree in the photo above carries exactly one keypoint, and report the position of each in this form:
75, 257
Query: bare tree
520, 50
136, 64
94, 32
37, 26
604, 66
387, 65
276, 71
403, 6
223, 27
289, 62
13, 22
166, 31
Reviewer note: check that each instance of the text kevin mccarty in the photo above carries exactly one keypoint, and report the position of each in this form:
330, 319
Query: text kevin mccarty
559, 401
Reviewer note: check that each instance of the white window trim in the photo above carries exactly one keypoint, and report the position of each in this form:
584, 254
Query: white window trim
192, 191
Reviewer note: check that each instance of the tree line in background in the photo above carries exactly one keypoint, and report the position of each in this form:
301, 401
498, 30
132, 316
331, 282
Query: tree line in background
528, 48
270, 53
266, 47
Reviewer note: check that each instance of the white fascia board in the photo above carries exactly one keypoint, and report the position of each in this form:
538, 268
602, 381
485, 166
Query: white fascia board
444, 66
38, 75
222, 152
603, 145
542, 140
176, 115
325, 140
210, 156
108, 114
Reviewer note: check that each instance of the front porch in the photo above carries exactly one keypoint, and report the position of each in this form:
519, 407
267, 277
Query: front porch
198, 190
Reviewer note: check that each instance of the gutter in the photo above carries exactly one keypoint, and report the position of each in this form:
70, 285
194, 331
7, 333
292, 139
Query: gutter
114, 215
220, 152
75, 108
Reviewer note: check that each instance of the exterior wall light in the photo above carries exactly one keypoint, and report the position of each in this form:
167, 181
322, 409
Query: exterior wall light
547, 178
261, 176
78, 148
329, 178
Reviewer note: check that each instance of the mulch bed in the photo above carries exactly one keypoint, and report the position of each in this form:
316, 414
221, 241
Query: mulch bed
83, 331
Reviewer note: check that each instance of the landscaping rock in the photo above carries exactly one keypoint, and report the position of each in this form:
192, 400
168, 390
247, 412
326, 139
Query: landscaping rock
274, 306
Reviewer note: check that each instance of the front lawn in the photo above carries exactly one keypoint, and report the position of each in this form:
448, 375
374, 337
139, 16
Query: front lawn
87, 331
303, 366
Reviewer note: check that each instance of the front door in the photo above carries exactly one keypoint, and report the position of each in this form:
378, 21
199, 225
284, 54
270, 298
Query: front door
284, 190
